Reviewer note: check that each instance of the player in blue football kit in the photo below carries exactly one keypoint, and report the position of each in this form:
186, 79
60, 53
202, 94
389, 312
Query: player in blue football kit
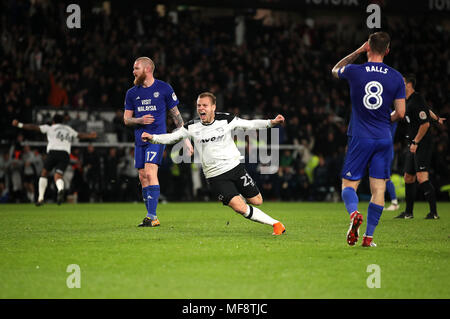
146, 106
374, 87
390, 187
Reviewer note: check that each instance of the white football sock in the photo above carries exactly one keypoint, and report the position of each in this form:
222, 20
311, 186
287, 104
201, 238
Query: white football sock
59, 184
259, 216
43, 181
394, 202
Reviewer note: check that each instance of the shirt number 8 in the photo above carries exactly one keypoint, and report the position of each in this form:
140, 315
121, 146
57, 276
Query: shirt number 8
373, 100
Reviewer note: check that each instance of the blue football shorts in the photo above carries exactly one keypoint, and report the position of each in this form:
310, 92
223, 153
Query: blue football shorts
149, 153
363, 153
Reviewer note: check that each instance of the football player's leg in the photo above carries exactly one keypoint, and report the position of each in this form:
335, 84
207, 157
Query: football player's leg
43, 182
246, 186
429, 193
390, 187
60, 168
60, 187
376, 205
350, 199
379, 172
144, 184
278, 227
248, 189
255, 200
139, 163
151, 190
349, 196
358, 154
49, 164
237, 203
58, 177
149, 219
423, 160
375, 209
410, 186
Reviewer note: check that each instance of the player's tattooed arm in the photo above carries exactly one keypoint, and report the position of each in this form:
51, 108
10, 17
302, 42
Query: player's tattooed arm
176, 117
129, 120
178, 120
349, 59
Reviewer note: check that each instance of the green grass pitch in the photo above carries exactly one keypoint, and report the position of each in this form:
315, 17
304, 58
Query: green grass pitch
205, 250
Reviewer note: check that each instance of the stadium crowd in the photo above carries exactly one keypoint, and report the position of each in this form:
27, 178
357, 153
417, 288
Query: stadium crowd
282, 68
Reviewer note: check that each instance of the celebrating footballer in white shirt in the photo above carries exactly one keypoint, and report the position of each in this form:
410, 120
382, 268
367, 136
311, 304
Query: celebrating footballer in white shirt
220, 158
60, 138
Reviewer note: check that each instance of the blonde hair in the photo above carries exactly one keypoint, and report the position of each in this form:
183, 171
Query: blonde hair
146, 62
210, 95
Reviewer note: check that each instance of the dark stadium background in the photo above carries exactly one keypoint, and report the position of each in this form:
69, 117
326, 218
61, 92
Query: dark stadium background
281, 64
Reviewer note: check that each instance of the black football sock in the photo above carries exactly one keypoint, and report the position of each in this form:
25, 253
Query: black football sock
410, 196
430, 195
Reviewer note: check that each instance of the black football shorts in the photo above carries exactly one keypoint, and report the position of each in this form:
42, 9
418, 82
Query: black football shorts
420, 161
58, 160
232, 183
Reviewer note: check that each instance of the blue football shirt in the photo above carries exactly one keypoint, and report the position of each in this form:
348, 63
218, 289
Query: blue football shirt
154, 100
373, 88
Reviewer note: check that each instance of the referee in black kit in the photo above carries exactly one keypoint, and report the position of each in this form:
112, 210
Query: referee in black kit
418, 117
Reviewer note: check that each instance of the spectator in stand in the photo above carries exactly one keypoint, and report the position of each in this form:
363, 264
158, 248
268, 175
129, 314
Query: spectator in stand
302, 184
58, 95
287, 183
321, 186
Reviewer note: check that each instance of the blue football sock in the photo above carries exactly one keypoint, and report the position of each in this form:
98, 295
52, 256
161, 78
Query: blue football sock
373, 216
144, 196
151, 194
350, 199
391, 190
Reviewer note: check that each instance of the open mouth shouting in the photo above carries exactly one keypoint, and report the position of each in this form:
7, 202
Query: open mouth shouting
203, 116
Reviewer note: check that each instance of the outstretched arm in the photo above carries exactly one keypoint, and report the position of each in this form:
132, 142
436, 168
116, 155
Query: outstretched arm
30, 127
169, 138
88, 136
279, 119
257, 124
349, 59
